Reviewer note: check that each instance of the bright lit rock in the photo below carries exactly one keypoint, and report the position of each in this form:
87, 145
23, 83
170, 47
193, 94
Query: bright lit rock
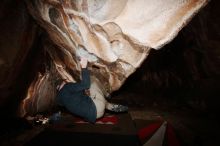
115, 35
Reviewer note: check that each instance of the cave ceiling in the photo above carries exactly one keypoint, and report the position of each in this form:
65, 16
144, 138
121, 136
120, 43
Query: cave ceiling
114, 35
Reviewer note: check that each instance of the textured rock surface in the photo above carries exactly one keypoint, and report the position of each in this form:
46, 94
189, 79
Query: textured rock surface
18, 31
115, 36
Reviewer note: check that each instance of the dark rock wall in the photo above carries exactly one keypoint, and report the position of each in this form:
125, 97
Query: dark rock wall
186, 71
18, 33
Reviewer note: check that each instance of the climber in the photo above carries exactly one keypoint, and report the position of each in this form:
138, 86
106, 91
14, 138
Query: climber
76, 97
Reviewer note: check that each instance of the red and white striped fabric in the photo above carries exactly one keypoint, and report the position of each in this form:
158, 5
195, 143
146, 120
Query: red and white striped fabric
158, 134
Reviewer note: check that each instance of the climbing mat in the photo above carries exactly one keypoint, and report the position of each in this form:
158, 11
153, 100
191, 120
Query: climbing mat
111, 130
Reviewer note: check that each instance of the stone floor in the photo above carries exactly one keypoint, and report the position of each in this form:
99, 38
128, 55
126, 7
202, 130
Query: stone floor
193, 128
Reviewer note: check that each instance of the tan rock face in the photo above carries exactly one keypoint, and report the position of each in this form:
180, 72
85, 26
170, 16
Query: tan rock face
115, 36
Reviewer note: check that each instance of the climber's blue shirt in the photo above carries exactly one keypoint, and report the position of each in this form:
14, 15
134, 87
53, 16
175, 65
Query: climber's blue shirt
73, 98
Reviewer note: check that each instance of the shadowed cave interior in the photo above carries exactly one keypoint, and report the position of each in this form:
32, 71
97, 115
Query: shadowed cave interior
179, 83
